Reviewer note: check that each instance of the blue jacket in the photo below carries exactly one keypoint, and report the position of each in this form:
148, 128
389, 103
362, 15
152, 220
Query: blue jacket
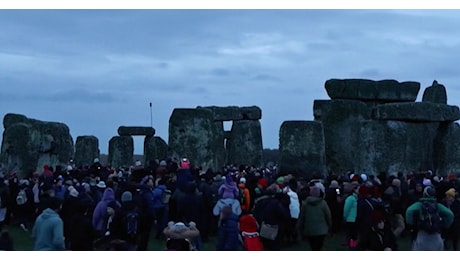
48, 232
158, 196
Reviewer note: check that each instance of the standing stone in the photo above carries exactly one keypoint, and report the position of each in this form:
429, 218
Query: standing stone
435, 94
370, 90
341, 120
302, 148
121, 151
447, 149
245, 143
394, 146
162, 148
86, 149
221, 152
28, 144
150, 150
193, 134
251, 113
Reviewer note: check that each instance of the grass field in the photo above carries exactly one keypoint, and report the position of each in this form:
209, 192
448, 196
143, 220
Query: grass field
24, 242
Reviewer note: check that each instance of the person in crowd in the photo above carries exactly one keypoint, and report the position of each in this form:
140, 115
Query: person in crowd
428, 218
82, 234
451, 234
48, 230
380, 237
228, 232
100, 215
350, 212
315, 219
333, 199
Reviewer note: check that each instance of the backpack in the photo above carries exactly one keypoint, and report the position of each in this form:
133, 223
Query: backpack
166, 196
131, 222
21, 199
429, 219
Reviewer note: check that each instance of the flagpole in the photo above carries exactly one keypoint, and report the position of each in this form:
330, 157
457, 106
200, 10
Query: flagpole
151, 120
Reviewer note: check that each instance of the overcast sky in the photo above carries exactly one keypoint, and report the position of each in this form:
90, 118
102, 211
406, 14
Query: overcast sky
95, 70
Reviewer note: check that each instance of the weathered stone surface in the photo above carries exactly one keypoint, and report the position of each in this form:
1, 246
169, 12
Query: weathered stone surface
447, 149
251, 113
136, 130
28, 144
121, 151
417, 111
150, 150
245, 143
302, 148
221, 153
341, 121
224, 113
162, 148
435, 94
86, 149
370, 90
393, 146
193, 134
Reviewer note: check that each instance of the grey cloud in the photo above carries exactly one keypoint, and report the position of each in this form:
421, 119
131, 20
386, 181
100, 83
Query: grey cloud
266, 77
370, 73
221, 72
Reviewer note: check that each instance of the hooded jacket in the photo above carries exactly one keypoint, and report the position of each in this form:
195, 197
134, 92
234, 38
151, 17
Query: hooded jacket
228, 189
315, 217
100, 212
48, 232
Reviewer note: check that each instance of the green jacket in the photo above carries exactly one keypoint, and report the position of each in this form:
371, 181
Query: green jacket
350, 208
315, 217
445, 213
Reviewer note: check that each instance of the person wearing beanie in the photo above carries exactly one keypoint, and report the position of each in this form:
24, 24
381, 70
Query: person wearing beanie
380, 237
126, 196
126, 223
452, 234
315, 219
428, 240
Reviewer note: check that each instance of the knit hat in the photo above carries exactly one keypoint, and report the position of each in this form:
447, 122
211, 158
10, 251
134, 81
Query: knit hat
262, 182
426, 182
280, 180
451, 177
450, 193
126, 196
96, 160
242, 180
429, 192
334, 184
396, 182
163, 163
218, 177
73, 192
363, 177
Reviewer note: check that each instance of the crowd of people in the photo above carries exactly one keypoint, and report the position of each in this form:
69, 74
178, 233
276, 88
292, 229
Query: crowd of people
182, 206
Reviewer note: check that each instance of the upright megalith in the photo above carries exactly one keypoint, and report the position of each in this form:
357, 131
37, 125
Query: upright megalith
193, 134
341, 120
29, 144
447, 149
136, 130
371, 90
150, 150
435, 94
302, 148
245, 143
86, 149
395, 146
162, 148
121, 151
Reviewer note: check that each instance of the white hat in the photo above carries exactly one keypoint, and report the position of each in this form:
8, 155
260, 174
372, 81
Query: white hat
101, 185
363, 177
74, 193
138, 163
242, 180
